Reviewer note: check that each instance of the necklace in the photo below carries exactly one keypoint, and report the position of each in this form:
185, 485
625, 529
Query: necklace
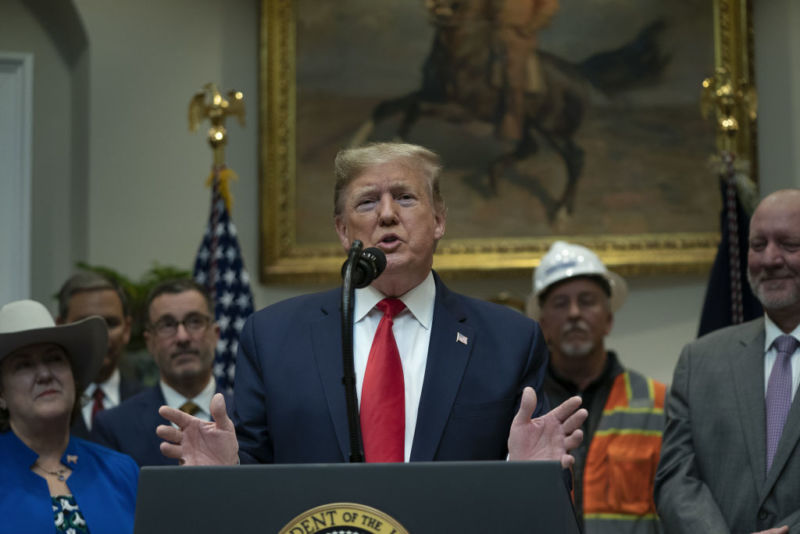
60, 474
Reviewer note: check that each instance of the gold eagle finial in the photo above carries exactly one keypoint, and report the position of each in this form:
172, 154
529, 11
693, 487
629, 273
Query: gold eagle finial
726, 100
210, 104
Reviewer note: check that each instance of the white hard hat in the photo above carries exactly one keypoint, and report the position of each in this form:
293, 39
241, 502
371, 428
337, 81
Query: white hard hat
564, 261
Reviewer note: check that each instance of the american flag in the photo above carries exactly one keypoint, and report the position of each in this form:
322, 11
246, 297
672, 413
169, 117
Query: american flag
729, 299
219, 267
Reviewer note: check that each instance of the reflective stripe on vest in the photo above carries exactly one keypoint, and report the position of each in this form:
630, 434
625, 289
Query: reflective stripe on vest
622, 459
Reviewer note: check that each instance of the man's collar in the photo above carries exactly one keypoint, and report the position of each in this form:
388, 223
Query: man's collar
173, 399
110, 388
772, 331
419, 301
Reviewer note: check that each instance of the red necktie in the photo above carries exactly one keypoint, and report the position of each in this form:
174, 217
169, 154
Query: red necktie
383, 405
98, 396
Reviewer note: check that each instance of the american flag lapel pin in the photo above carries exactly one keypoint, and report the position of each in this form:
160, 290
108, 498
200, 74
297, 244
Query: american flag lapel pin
461, 338
72, 458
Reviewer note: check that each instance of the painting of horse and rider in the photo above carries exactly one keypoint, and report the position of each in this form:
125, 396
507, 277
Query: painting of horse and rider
553, 117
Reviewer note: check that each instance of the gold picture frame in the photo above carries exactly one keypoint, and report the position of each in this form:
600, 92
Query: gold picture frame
284, 258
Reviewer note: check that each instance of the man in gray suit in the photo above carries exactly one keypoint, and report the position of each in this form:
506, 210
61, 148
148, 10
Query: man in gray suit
730, 459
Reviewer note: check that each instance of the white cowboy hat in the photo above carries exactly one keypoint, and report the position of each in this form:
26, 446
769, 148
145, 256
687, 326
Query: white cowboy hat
564, 261
27, 322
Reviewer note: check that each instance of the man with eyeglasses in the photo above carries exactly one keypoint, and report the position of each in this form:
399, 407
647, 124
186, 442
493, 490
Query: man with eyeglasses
181, 336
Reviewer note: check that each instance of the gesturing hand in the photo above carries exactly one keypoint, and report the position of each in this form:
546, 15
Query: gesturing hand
198, 442
548, 437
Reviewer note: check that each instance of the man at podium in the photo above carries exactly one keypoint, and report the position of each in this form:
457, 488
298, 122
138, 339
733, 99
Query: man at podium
440, 376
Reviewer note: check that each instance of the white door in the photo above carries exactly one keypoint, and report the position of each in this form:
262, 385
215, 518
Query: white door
16, 124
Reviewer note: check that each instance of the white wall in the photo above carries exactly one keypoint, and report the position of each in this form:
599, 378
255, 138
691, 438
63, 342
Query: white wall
52, 213
147, 201
777, 62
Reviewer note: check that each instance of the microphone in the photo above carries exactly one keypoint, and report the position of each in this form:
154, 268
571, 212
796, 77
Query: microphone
369, 264
360, 268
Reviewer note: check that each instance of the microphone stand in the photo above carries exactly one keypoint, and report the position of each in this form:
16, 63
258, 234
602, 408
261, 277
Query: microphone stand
349, 378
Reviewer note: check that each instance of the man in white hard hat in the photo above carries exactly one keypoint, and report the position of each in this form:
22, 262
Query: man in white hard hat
574, 298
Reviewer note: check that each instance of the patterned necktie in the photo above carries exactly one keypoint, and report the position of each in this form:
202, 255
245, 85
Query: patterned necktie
383, 406
779, 393
189, 407
97, 405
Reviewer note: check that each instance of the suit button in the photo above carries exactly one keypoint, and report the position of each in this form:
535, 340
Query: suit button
762, 515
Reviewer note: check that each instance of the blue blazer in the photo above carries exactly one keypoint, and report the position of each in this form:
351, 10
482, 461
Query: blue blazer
104, 483
130, 428
290, 402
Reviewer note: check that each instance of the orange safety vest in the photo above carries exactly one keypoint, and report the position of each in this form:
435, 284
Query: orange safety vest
623, 457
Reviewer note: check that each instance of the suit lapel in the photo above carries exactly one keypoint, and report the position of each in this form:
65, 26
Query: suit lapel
128, 388
326, 336
150, 420
79, 428
448, 353
747, 366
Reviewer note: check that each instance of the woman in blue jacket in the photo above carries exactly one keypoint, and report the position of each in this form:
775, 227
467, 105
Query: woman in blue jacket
52, 482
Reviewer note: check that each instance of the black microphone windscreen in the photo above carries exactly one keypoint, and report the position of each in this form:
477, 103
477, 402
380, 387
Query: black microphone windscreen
377, 256
368, 265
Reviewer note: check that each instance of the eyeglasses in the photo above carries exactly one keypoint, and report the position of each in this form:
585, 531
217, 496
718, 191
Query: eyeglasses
194, 323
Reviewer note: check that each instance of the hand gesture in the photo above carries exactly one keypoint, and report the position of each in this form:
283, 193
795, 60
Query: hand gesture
198, 442
549, 437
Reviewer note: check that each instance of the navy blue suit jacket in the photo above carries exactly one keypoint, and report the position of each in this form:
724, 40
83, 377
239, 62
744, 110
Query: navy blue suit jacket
131, 427
128, 387
290, 402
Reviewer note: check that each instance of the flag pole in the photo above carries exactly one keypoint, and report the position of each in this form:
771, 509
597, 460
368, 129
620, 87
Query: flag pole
727, 102
219, 265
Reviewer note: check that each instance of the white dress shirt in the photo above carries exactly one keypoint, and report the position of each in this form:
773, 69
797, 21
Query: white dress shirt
771, 331
412, 332
111, 398
202, 400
